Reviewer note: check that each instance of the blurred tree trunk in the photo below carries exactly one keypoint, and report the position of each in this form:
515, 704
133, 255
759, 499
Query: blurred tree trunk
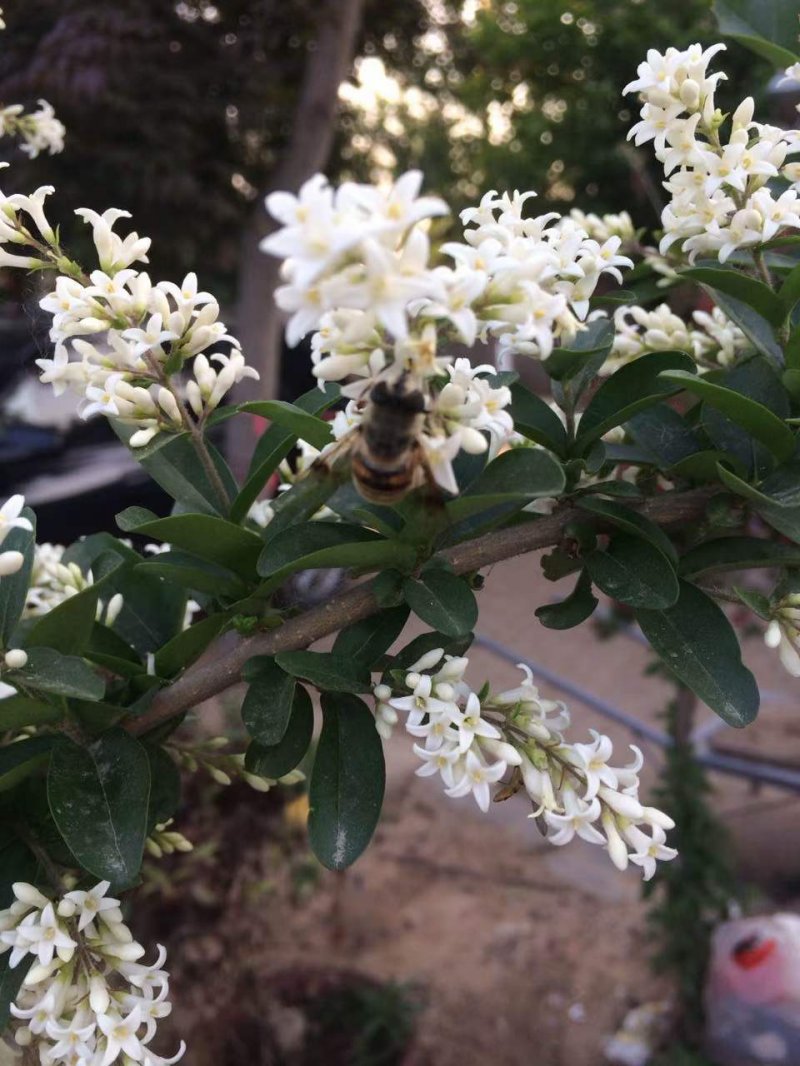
258, 322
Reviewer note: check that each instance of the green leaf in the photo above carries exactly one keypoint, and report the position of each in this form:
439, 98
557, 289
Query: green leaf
757, 419
696, 641
573, 610
736, 553
754, 326
16, 712
268, 700
443, 600
664, 433
326, 671
188, 645
14, 587
62, 675
517, 476
632, 571
630, 389
702, 466
750, 291
279, 759
275, 445
781, 510
165, 786
630, 521
347, 782
290, 417
368, 641
328, 544
21, 758
302, 501
207, 536
534, 419
756, 601
767, 28
579, 365
789, 292
197, 575
68, 626
172, 462
99, 797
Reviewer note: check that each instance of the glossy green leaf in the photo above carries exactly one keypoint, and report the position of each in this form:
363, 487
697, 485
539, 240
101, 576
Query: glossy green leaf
172, 462
207, 536
767, 27
757, 419
194, 574
347, 782
165, 786
16, 712
517, 476
632, 571
696, 641
573, 610
268, 701
14, 587
273, 446
630, 521
789, 292
665, 433
294, 419
68, 626
777, 500
737, 553
278, 759
534, 419
327, 544
368, 641
48, 670
188, 645
579, 364
22, 758
443, 601
754, 326
302, 501
326, 671
750, 291
630, 389
99, 797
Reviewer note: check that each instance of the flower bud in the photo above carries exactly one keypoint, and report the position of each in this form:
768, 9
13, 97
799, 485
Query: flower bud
10, 563
16, 658
99, 999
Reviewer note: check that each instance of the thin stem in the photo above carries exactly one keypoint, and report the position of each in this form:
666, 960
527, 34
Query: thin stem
762, 268
208, 679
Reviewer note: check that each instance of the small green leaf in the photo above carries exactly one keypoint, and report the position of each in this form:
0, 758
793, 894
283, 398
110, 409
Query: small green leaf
99, 798
302, 501
630, 389
736, 553
329, 544
748, 290
630, 521
207, 536
757, 419
195, 574
756, 601
294, 419
579, 365
279, 759
347, 782
517, 476
443, 600
268, 700
14, 587
573, 610
632, 571
275, 445
62, 675
534, 419
368, 641
326, 671
696, 641
777, 500
21, 758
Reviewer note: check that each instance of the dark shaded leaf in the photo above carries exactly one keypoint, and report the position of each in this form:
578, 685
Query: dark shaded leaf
326, 671
368, 641
737, 553
632, 571
279, 759
443, 600
268, 700
573, 610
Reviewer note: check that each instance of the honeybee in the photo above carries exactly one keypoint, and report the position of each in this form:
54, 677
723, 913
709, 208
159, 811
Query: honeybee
386, 457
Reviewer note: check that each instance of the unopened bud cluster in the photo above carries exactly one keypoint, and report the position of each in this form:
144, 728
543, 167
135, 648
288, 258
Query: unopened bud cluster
86, 998
475, 741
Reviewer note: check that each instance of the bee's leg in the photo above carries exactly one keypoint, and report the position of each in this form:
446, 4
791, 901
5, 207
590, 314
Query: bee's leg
334, 455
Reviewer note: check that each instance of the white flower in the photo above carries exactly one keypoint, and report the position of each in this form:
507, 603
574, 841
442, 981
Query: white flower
783, 632
90, 905
476, 778
10, 516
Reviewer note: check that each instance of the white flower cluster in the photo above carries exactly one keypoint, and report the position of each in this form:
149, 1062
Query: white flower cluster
602, 227
11, 518
713, 340
39, 130
358, 272
472, 741
720, 200
86, 1000
783, 632
119, 339
53, 582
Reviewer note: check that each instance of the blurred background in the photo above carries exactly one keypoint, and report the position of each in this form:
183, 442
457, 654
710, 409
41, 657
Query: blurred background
456, 939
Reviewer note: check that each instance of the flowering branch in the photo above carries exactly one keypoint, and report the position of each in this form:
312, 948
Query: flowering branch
224, 669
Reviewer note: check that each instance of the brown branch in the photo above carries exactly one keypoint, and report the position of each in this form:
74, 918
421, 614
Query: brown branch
208, 679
